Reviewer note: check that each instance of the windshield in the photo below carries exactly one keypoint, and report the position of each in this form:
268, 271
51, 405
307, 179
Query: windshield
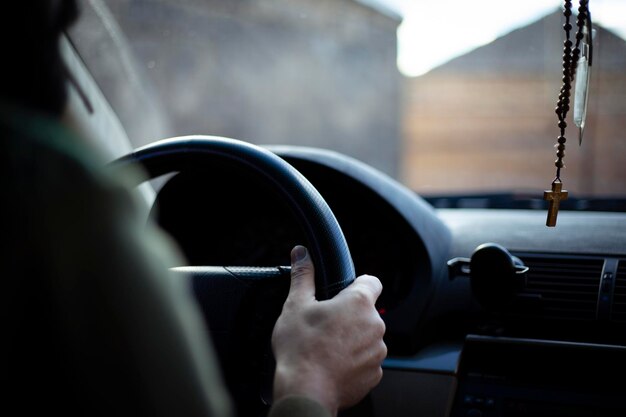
454, 99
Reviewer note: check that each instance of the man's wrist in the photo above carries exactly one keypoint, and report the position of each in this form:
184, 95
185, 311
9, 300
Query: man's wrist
302, 384
298, 405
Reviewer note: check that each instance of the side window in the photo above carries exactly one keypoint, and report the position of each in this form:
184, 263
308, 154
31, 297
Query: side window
106, 53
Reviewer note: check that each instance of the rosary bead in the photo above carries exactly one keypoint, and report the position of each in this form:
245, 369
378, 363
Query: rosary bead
562, 124
560, 147
568, 42
567, 27
558, 163
579, 35
560, 154
561, 140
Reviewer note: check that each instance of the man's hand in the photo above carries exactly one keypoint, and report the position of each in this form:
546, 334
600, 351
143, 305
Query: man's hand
330, 351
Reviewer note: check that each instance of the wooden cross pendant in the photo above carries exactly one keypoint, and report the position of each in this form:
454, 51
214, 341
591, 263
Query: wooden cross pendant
554, 197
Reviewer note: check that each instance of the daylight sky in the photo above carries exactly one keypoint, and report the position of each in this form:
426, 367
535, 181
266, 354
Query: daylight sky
416, 55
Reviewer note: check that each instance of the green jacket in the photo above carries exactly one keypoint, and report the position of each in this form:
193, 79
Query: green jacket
94, 324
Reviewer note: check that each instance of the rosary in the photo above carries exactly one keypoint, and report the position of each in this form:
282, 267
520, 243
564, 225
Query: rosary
573, 63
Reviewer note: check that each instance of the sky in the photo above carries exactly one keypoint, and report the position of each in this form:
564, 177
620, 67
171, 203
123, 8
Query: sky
416, 55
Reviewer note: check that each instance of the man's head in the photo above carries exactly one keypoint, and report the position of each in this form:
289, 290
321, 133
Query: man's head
33, 74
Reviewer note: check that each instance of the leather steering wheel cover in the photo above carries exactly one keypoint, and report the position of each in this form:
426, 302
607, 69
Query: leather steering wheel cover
334, 269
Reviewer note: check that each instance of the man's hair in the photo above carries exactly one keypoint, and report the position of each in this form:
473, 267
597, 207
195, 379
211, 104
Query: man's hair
33, 73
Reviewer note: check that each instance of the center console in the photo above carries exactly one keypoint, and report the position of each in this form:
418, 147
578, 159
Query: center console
509, 377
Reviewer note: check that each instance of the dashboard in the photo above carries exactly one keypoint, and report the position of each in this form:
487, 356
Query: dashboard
450, 352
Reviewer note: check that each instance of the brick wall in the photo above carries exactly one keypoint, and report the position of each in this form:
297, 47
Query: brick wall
486, 121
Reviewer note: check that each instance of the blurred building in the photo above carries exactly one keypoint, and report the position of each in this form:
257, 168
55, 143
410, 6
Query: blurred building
306, 72
485, 121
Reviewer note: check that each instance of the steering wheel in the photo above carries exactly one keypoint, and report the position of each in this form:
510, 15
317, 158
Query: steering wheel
214, 286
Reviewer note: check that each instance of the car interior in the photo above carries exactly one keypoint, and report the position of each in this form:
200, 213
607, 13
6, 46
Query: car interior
262, 124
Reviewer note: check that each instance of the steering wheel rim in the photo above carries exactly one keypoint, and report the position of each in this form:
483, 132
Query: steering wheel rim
334, 269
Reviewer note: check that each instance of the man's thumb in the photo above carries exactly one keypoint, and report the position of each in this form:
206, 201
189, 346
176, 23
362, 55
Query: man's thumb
302, 275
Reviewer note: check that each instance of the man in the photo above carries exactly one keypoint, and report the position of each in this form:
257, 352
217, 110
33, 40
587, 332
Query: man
93, 323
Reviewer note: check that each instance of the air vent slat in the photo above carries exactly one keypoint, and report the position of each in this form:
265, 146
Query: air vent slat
562, 277
566, 311
567, 293
559, 301
618, 310
568, 286
590, 287
575, 299
565, 272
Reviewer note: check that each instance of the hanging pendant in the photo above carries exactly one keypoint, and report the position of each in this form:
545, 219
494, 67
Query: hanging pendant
576, 65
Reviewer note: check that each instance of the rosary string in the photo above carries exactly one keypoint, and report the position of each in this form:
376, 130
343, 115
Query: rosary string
570, 60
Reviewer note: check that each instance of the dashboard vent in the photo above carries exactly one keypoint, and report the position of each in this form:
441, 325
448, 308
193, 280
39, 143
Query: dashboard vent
567, 286
619, 295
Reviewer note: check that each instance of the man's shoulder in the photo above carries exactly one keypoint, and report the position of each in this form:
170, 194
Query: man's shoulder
35, 138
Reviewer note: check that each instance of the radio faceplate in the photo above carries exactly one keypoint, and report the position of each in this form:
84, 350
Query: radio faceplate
509, 377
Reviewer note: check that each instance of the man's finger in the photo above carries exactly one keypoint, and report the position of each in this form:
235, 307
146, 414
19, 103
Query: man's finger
302, 286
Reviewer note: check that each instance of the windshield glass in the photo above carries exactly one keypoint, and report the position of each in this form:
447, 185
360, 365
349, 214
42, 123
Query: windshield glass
454, 99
